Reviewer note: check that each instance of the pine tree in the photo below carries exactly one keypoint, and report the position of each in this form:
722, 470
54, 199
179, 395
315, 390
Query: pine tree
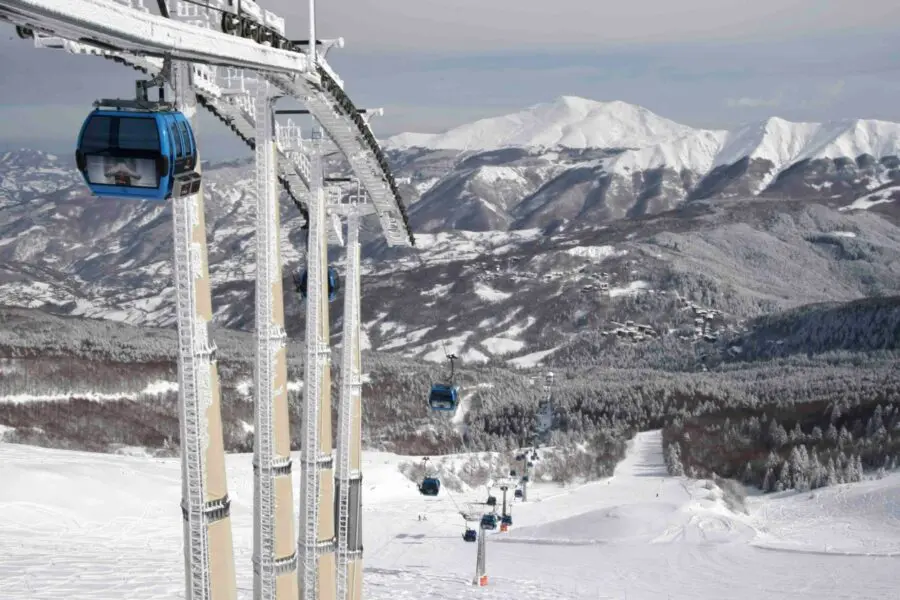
768, 483
797, 435
832, 474
831, 434
777, 435
673, 460
817, 473
816, 434
784, 477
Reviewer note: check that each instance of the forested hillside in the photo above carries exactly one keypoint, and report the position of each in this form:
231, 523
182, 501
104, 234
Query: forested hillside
99, 385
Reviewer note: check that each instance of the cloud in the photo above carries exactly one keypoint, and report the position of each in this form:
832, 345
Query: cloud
470, 26
794, 96
433, 66
752, 102
834, 89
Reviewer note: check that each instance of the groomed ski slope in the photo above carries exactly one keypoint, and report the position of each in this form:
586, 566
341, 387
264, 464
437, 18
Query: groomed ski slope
90, 526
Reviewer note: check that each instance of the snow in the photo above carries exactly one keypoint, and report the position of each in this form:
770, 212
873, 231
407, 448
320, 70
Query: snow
485, 292
492, 175
152, 31
365, 343
243, 387
472, 355
531, 360
437, 290
109, 525
152, 389
441, 348
454, 246
595, 253
869, 200
793, 521
387, 327
631, 289
773, 139
160, 387
653, 141
695, 151
853, 138
410, 338
427, 184
500, 345
779, 141
569, 121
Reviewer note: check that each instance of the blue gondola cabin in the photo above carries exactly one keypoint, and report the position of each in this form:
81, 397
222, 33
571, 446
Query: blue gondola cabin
489, 522
137, 154
301, 283
430, 486
443, 397
470, 535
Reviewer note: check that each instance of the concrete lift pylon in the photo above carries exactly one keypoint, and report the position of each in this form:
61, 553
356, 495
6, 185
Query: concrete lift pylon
119, 30
348, 478
209, 551
274, 549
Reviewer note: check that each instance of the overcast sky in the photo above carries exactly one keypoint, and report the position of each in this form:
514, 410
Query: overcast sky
433, 65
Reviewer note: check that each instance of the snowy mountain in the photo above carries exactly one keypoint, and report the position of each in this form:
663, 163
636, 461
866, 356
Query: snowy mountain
578, 123
560, 293
624, 205
599, 161
569, 121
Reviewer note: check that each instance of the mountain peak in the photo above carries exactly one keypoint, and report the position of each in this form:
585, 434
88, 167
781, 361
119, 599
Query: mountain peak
567, 121
576, 105
586, 104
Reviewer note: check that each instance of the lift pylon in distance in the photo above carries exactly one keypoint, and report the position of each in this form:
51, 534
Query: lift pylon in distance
481, 577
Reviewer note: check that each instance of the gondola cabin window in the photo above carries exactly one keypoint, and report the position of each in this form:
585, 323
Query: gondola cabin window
122, 151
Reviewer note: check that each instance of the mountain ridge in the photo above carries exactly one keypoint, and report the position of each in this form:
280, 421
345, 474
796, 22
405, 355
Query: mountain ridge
550, 124
578, 160
574, 123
